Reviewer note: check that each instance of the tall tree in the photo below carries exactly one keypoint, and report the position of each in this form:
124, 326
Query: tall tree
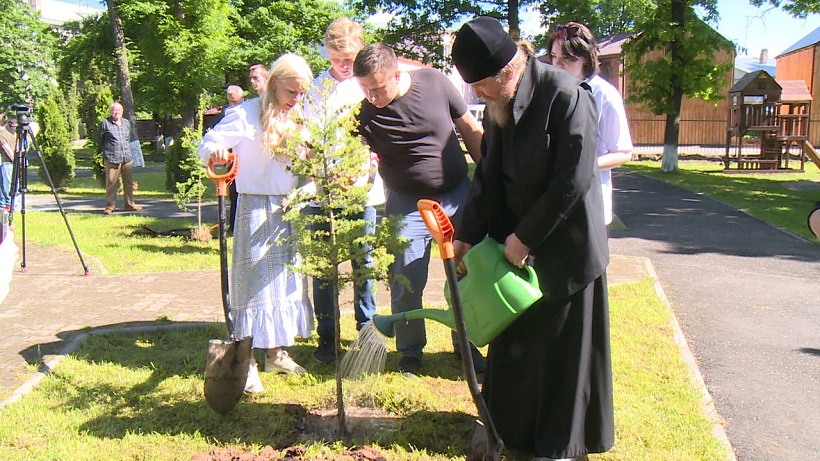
602, 17
676, 55
182, 49
415, 30
26, 57
121, 53
270, 28
797, 8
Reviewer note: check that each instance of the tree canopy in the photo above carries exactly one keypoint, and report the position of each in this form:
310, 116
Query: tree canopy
180, 50
797, 8
676, 55
415, 30
602, 17
26, 57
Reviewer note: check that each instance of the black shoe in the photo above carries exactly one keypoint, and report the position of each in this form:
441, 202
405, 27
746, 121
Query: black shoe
326, 352
479, 362
408, 364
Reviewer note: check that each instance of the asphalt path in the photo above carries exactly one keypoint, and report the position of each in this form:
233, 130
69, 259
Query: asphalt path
747, 296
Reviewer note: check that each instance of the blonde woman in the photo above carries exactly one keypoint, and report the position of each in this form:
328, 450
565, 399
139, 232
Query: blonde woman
268, 301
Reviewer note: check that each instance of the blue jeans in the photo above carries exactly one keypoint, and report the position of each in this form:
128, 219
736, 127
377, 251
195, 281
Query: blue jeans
411, 336
364, 299
5, 186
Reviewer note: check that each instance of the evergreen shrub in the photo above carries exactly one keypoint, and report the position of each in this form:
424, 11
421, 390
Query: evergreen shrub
54, 142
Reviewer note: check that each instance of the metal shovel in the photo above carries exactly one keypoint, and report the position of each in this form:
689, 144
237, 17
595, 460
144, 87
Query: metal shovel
226, 368
442, 230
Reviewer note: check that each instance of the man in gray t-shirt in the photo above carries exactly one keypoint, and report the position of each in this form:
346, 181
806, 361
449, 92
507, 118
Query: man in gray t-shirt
407, 119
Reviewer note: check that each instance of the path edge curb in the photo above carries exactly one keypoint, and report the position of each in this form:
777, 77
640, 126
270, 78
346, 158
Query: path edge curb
707, 402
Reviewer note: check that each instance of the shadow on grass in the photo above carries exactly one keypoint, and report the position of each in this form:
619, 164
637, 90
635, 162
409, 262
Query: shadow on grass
169, 400
691, 223
37, 353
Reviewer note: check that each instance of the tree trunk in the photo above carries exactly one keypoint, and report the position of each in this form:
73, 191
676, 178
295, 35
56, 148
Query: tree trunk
123, 74
669, 161
512, 13
671, 136
337, 321
190, 117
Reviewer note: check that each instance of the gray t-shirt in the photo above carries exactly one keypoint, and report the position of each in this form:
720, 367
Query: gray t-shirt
418, 149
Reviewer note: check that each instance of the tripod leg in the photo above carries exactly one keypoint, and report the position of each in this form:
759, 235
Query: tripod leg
18, 186
56, 197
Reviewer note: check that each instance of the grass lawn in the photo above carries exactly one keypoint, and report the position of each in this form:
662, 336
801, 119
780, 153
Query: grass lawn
119, 241
140, 397
781, 199
121, 244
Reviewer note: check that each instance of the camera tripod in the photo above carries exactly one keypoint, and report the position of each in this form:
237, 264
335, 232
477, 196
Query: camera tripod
19, 177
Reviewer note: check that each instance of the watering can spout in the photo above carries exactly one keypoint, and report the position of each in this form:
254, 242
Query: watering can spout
386, 324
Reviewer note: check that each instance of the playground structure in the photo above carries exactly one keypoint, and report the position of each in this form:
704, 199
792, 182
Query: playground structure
773, 116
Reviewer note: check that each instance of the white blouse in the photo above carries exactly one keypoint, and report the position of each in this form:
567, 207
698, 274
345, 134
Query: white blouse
613, 132
239, 130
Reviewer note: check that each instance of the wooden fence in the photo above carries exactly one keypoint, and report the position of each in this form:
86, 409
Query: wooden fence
709, 132
647, 129
814, 127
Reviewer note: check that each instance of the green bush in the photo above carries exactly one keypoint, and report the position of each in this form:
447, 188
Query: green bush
54, 141
71, 108
181, 159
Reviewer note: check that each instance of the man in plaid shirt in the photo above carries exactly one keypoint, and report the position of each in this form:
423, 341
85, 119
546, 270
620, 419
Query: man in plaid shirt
114, 136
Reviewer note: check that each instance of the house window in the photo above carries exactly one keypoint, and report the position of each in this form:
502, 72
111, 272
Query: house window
753, 100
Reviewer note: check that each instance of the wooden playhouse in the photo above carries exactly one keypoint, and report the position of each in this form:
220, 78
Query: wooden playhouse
768, 124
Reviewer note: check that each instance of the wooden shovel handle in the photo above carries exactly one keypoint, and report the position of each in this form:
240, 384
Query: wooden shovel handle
222, 180
439, 226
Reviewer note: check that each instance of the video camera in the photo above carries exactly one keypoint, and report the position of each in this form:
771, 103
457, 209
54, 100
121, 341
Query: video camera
23, 113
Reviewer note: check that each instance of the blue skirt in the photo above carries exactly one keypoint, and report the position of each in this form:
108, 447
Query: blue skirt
268, 300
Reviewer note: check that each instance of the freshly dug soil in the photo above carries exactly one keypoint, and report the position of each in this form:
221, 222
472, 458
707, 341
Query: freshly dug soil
320, 425
289, 454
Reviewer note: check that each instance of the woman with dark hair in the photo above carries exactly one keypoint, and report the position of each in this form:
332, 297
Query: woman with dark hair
572, 48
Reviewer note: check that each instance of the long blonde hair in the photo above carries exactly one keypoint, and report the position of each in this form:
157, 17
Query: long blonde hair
274, 122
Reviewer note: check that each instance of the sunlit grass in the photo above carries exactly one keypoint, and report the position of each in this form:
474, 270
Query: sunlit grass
121, 245
140, 397
781, 199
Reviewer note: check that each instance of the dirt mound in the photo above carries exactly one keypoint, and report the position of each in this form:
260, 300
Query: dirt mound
288, 454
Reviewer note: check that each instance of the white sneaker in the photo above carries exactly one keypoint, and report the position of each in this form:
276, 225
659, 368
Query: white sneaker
282, 363
253, 385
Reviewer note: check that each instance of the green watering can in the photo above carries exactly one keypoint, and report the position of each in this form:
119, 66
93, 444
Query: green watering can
493, 294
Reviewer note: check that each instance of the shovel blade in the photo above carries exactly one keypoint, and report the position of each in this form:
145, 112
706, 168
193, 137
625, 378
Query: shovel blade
226, 370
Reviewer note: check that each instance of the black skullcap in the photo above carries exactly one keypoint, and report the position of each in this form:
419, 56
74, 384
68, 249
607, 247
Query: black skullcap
482, 48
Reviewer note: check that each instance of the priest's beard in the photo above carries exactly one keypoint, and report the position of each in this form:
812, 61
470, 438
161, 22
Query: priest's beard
498, 108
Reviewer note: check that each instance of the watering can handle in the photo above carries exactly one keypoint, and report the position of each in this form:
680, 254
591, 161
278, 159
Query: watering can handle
222, 180
439, 226
533, 281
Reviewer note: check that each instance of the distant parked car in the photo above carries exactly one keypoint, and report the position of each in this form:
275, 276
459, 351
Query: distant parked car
477, 111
